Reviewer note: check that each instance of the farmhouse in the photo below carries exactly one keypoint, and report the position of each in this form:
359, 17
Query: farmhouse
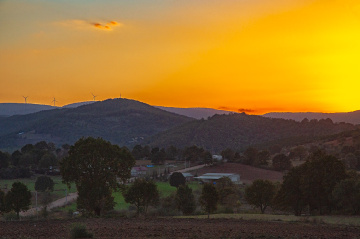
188, 176
138, 171
213, 177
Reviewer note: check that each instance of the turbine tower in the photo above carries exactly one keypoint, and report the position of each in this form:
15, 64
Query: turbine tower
54, 100
94, 96
25, 97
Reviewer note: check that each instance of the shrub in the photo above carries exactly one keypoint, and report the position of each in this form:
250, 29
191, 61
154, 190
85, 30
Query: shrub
79, 230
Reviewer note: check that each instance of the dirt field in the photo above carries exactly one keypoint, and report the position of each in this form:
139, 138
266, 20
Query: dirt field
175, 228
247, 173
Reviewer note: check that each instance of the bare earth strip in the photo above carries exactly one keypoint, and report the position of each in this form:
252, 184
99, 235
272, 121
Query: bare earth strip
175, 228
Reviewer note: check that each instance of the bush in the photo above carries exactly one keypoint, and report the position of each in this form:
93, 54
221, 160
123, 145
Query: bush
79, 231
10, 216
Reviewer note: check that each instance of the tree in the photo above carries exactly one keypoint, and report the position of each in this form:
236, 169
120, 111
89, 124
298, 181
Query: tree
281, 162
2, 202
321, 175
96, 166
347, 195
228, 154
44, 183
185, 200
142, 194
209, 198
48, 160
250, 155
18, 198
227, 191
260, 194
290, 195
4, 160
177, 179
262, 158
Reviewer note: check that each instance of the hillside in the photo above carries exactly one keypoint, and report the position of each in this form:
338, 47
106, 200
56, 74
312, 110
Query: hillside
120, 121
348, 117
196, 113
238, 131
9, 109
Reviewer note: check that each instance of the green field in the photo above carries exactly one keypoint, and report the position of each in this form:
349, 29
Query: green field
59, 187
164, 188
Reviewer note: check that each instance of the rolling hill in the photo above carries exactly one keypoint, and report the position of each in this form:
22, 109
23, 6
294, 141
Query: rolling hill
120, 121
238, 131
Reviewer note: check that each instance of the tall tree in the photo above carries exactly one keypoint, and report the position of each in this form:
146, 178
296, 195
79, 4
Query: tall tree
18, 198
260, 194
322, 173
227, 191
2, 202
142, 194
209, 198
96, 166
347, 195
290, 195
185, 200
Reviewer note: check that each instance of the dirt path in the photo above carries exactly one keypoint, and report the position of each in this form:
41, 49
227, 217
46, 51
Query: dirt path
58, 203
191, 168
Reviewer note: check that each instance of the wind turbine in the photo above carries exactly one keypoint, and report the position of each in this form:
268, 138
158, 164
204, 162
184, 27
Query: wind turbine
54, 100
25, 97
94, 96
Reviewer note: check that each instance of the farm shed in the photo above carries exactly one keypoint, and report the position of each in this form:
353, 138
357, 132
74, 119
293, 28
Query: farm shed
213, 177
138, 171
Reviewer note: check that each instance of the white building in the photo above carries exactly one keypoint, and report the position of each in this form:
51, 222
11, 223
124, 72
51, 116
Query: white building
213, 177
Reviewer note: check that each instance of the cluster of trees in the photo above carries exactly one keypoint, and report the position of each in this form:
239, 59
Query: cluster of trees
159, 155
98, 168
17, 199
319, 186
30, 158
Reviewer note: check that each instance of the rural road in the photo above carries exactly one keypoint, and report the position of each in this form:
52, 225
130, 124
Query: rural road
58, 203
191, 168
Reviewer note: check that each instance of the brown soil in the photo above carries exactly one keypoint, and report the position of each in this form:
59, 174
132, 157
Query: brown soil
175, 228
247, 173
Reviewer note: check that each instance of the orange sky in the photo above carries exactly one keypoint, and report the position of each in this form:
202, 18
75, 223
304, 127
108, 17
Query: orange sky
248, 55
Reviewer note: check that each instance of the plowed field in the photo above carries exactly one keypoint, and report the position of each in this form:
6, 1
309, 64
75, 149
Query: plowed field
176, 228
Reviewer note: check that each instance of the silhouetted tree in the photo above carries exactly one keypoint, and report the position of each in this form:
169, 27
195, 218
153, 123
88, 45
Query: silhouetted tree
177, 179
142, 194
260, 194
281, 162
185, 200
96, 166
18, 198
209, 198
44, 183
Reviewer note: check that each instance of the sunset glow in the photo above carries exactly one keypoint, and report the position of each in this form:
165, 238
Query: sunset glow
255, 56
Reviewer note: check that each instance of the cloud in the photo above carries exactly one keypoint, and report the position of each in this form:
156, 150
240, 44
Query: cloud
77, 24
107, 26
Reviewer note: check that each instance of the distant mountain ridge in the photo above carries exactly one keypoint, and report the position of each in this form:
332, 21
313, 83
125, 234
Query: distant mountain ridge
196, 113
120, 121
9, 109
347, 117
239, 131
